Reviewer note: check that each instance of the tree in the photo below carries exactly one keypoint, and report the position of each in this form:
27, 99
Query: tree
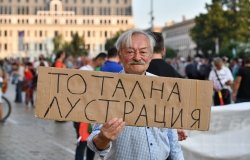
111, 41
170, 53
58, 43
75, 47
226, 21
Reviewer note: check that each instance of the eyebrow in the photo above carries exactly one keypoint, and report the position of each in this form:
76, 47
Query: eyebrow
139, 48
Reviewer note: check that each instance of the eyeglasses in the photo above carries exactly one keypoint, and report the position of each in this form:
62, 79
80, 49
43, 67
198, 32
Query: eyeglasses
131, 52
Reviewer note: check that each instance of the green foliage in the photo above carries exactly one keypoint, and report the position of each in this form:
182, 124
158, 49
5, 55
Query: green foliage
76, 47
170, 53
226, 20
58, 42
111, 41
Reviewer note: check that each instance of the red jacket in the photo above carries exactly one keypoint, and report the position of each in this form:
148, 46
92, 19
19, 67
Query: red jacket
84, 131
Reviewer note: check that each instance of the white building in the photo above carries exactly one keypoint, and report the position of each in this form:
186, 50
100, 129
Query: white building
177, 37
27, 27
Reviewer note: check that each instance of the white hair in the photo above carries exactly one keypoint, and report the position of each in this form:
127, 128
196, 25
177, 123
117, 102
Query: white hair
125, 40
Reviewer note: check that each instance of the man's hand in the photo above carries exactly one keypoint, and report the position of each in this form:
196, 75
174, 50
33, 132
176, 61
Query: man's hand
109, 132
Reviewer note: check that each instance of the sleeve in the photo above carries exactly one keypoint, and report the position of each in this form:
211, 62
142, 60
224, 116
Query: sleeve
175, 147
91, 145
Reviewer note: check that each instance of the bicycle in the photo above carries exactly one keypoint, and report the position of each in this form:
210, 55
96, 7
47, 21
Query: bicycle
6, 109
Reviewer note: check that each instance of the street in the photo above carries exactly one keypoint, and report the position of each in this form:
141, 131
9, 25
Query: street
25, 137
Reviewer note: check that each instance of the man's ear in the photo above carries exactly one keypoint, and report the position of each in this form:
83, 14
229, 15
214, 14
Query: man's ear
163, 52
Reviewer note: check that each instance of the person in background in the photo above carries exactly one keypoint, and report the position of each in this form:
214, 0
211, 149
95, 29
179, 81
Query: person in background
159, 67
112, 64
70, 62
1, 85
222, 79
41, 62
234, 66
28, 84
204, 68
19, 85
84, 129
241, 89
59, 61
95, 63
113, 140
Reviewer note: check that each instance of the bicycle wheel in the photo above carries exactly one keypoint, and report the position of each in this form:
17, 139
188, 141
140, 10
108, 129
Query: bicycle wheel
6, 109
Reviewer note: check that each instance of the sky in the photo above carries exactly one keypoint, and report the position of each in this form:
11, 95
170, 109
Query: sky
166, 10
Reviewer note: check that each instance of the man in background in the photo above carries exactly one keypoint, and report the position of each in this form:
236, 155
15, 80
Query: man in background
161, 68
112, 64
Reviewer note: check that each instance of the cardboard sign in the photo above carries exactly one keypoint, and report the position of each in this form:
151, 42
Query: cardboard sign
96, 97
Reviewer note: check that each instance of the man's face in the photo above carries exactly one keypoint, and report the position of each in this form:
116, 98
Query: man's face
100, 61
218, 65
137, 57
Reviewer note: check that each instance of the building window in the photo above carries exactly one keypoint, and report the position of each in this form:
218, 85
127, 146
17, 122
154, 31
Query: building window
125, 1
88, 33
5, 47
117, 1
92, 1
56, 33
40, 46
41, 33
18, 10
105, 34
83, 1
5, 33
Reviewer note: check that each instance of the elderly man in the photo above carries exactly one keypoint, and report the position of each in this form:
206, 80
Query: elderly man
113, 140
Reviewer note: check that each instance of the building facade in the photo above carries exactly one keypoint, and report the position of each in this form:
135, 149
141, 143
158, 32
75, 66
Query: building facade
177, 37
27, 27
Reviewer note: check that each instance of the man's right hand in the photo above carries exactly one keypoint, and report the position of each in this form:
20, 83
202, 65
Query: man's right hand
109, 132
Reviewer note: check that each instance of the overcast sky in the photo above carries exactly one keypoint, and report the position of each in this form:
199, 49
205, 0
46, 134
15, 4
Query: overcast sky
166, 10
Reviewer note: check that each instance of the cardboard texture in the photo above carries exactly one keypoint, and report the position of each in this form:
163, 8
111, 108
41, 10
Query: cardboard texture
96, 97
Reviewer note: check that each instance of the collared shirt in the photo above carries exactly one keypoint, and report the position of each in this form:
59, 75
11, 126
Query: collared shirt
140, 143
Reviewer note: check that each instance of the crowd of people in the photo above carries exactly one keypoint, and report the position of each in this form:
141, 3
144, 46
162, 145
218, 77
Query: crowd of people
136, 52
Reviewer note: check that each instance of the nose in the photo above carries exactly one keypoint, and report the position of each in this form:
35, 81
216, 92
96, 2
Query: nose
137, 56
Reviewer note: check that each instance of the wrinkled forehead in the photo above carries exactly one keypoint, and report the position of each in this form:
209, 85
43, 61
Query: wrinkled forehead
128, 43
